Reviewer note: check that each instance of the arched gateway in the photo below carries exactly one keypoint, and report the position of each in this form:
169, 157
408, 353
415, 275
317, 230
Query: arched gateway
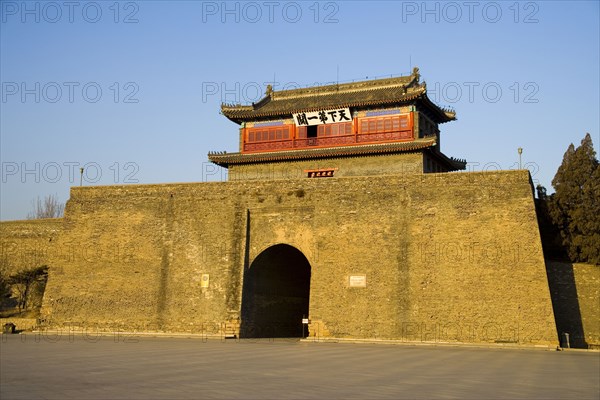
275, 295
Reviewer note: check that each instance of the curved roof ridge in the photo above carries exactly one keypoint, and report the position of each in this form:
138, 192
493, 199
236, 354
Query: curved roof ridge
369, 93
349, 87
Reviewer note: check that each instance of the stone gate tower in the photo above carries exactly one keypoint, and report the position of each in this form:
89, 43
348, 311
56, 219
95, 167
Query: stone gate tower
340, 220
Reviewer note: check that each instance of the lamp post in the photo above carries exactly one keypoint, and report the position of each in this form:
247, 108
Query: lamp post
520, 150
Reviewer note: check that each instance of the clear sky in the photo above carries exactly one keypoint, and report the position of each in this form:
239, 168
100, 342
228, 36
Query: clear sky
132, 90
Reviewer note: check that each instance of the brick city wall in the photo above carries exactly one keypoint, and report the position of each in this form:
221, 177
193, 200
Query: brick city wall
446, 257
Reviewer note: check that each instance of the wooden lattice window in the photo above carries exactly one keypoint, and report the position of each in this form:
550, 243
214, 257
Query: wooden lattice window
388, 123
340, 129
268, 134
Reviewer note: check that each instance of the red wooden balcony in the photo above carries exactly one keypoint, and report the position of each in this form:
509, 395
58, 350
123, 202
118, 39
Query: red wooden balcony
361, 131
328, 141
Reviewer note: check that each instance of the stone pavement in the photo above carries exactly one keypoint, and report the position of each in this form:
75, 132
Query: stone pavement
116, 367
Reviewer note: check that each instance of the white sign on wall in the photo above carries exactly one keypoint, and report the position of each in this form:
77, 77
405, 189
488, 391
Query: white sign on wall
323, 117
357, 281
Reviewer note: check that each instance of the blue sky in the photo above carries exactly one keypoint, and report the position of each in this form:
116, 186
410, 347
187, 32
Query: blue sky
132, 90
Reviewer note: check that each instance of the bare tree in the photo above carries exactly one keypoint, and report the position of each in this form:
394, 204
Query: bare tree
23, 282
49, 207
5, 291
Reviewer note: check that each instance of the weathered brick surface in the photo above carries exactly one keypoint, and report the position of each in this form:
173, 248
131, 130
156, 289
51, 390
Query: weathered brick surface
447, 257
30, 243
575, 292
389, 164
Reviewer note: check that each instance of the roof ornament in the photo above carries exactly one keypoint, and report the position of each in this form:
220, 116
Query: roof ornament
415, 72
269, 90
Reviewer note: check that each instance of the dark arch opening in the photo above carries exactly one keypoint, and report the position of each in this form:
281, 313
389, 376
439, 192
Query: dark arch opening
275, 295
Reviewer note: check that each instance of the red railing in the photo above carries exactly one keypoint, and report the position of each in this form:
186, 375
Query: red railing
269, 146
384, 137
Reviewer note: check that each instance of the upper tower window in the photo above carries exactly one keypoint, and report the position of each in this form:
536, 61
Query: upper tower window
392, 123
343, 128
268, 134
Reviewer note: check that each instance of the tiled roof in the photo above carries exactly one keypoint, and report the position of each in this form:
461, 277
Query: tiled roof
378, 92
226, 159
455, 164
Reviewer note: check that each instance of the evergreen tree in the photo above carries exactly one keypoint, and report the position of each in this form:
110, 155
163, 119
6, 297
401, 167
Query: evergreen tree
590, 248
574, 207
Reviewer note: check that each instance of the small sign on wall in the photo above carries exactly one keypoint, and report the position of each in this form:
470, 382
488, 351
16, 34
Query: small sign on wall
357, 281
204, 280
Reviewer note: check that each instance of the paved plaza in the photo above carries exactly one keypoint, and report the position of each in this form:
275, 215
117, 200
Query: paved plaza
112, 367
